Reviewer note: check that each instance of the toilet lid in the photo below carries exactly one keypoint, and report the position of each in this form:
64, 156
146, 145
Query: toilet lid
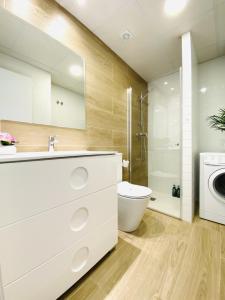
129, 190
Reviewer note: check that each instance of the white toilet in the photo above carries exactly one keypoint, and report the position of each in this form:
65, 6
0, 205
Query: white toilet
132, 201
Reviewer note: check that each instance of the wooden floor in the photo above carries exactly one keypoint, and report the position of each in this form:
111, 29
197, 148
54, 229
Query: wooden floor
165, 259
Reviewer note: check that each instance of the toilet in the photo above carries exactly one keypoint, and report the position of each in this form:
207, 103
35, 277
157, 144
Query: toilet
132, 201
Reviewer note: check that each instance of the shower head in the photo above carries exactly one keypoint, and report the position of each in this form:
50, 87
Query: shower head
143, 96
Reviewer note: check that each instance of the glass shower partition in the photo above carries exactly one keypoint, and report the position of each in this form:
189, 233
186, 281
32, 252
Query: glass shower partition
164, 144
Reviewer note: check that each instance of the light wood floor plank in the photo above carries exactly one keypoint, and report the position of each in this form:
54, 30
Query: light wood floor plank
165, 259
222, 280
199, 276
222, 232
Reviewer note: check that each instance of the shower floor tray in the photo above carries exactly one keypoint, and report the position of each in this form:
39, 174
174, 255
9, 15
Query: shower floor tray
165, 204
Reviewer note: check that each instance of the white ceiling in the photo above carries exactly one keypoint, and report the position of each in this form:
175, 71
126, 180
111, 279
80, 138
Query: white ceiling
155, 49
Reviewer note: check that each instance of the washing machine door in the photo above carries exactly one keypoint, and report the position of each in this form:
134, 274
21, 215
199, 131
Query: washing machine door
217, 184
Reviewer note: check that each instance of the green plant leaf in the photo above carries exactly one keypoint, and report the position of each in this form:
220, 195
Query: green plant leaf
218, 121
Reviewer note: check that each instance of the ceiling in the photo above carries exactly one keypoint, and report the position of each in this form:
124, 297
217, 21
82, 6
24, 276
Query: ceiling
155, 49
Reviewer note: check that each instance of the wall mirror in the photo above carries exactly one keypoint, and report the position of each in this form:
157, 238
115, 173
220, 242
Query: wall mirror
41, 81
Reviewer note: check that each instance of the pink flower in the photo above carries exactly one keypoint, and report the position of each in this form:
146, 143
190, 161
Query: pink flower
7, 138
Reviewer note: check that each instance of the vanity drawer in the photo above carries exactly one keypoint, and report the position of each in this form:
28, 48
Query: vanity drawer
29, 243
53, 278
29, 188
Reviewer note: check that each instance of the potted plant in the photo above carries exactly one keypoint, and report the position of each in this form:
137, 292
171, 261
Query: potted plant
218, 121
7, 143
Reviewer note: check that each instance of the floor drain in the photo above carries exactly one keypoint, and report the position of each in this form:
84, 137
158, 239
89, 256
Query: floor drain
152, 198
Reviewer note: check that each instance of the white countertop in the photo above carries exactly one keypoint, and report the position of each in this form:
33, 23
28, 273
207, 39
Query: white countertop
24, 156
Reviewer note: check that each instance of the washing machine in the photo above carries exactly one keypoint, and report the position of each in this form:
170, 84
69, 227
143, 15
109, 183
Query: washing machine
212, 187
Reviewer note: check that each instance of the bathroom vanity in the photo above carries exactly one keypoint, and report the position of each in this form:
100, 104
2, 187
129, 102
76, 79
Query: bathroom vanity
58, 218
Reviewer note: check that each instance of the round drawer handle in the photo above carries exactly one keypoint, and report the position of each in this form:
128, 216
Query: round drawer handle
79, 219
79, 178
80, 259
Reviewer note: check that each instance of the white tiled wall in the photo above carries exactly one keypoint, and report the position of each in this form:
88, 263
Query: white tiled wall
195, 130
189, 127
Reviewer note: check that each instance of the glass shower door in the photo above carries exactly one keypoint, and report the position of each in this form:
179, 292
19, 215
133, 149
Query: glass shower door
164, 144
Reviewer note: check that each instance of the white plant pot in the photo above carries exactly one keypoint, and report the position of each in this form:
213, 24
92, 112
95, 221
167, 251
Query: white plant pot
7, 150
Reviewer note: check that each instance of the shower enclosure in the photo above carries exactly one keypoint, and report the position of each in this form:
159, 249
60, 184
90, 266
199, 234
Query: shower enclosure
163, 137
164, 132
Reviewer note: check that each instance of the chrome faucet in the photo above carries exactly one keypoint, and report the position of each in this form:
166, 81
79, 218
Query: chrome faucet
51, 143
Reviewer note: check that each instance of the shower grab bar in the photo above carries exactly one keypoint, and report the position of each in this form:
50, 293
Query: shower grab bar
129, 131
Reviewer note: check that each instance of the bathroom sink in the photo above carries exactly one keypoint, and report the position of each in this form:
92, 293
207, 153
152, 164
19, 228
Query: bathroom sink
23, 156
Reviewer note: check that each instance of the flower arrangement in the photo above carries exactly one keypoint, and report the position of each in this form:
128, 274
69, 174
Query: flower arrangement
218, 121
7, 139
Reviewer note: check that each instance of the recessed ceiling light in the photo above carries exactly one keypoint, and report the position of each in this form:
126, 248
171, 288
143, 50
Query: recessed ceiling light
126, 35
165, 83
75, 70
203, 90
57, 27
81, 2
20, 8
174, 7
172, 89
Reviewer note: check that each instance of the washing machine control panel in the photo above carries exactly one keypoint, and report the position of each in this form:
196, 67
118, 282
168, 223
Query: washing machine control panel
214, 158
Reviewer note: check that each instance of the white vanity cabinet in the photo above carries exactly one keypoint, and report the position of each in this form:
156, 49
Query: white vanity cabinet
58, 218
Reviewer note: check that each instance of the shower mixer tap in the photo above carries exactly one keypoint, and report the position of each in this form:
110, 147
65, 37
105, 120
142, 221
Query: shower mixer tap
142, 134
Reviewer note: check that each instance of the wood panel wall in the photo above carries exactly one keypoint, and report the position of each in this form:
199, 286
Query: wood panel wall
107, 78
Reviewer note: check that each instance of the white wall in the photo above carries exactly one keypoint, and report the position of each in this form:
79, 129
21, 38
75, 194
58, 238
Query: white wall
15, 96
211, 97
190, 131
71, 113
41, 87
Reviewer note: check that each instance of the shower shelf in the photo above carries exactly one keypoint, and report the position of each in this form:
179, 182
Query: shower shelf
163, 175
165, 149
